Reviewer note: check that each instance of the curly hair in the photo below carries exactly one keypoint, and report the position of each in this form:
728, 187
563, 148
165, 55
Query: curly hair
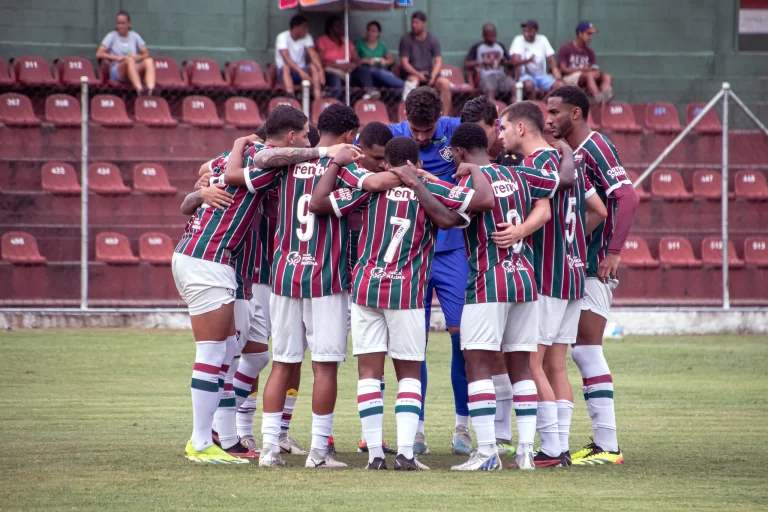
469, 136
526, 111
284, 119
574, 96
375, 134
423, 106
314, 135
337, 119
479, 109
400, 150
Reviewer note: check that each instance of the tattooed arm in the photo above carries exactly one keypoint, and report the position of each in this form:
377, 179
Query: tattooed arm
286, 156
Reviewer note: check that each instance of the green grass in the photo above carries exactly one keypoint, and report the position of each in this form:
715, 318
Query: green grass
97, 420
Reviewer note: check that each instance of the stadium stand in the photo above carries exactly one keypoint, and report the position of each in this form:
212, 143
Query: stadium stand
245, 75
153, 111
242, 112
156, 248
200, 111
114, 248
500, 105
319, 105
619, 117
105, 178
668, 184
707, 185
16, 110
641, 192
401, 112
456, 76
282, 100
204, 73
756, 251
370, 111
675, 251
709, 124
69, 70
593, 123
6, 75
712, 255
662, 117
637, 254
109, 110
151, 178
167, 74
751, 185
32, 71
59, 178
20, 248
62, 110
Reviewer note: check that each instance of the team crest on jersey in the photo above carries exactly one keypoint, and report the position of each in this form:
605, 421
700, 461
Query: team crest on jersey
510, 266
380, 273
504, 188
306, 260
401, 194
446, 154
305, 171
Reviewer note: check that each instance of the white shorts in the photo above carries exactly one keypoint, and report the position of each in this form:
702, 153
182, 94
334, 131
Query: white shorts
319, 324
558, 320
598, 296
261, 295
572, 78
204, 285
494, 326
398, 332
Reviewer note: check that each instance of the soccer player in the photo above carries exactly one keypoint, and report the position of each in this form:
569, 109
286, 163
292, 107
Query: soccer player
568, 108
559, 250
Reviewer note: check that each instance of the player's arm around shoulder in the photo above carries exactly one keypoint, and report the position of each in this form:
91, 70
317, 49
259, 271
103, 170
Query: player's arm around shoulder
321, 202
482, 199
567, 174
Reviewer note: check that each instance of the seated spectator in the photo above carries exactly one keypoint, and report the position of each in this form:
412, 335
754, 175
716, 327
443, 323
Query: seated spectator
421, 61
129, 55
532, 52
487, 57
577, 63
333, 55
375, 62
291, 50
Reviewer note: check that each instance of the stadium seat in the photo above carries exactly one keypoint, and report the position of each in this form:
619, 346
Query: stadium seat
106, 179
707, 185
712, 253
6, 74
641, 192
168, 75
543, 107
668, 184
200, 111
109, 110
114, 248
20, 248
153, 111
62, 110
371, 110
32, 71
456, 76
756, 251
245, 74
67, 71
319, 106
156, 248
662, 117
282, 100
16, 110
204, 72
636, 253
676, 251
151, 178
60, 178
242, 113
709, 123
751, 185
401, 112
619, 117
591, 121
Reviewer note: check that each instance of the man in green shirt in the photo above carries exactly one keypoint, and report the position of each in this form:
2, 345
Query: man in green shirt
375, 61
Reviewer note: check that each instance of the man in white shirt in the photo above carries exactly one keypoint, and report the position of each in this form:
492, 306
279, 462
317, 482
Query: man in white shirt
291, 50
532, 52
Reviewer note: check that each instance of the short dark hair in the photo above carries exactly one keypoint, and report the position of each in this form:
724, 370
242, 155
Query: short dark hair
375, 134
400, 150
297, 21
329, 24
284, 119
261, 132
526, 111
419, 15
123, 12
337, 119
423, 106
479, 109
314, 135
573, 95
469, 136
374, 22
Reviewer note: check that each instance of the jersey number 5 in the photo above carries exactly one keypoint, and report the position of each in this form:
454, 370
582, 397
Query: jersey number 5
570, 220
397, 237
305, 218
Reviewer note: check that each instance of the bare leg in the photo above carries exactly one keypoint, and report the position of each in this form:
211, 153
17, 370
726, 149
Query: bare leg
443, 86
317, 85
529, 90
147, 68
587, 79
546, 394
554, 368
126, 70
325, 388
287, 81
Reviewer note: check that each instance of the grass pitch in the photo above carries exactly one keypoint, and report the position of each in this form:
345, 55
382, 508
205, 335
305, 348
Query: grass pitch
98, 419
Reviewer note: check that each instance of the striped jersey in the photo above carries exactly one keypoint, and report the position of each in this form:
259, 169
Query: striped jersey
397, 243
311, 251
602, 167
559, 247
265, 240
244, 261
496, 274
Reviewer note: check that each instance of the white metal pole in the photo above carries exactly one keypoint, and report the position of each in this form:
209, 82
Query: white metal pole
519, 91
724, 200
84, 192
305, 97
346, 45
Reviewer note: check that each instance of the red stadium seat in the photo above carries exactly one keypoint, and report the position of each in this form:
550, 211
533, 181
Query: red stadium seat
153, 111
319, 105
712, 253
456, 76
677, 252
62, 110
200, 111
668, 184
707, 185
619, 117
114, 248
156, 248
242, 112
106, 179
151, 178
245, 74
6, 74
756, 251
16, 110
636, 253
709, 123
371, 110
282, 100
593, 124
67, 71
20, 248
662, 117
32, 71
641, 192
751, 185
401, 112
60, 178
109, 110
203, 72
168, 75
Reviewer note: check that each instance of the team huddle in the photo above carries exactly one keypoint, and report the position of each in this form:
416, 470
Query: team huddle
308, 240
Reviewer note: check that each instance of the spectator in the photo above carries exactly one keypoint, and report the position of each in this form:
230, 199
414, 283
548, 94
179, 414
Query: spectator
291, 50
577, 62
129, 55
488, 58
532, 52
375, 61
421, 61
333, 55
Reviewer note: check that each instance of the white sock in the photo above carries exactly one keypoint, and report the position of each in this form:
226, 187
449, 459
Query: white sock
407, 410
564, 413
546, 426
482, 408
371, 409
362, 432
503, 421
290, 403
270, 431
462, 421
525, 401
205, 390
420, 428
249, 368
224, 417
322, 429
598, 393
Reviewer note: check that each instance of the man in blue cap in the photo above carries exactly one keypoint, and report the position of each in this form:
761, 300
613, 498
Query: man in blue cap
578, 65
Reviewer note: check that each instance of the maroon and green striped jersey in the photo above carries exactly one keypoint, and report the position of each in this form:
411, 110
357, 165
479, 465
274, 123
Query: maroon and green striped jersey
397, 243
559, 247
265, 242
603, 168
496, 274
